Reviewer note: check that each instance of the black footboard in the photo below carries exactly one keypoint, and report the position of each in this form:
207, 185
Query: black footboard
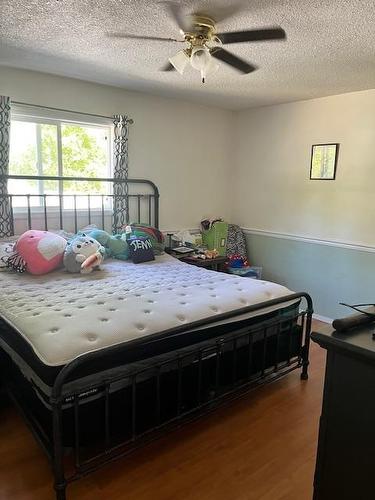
107, 414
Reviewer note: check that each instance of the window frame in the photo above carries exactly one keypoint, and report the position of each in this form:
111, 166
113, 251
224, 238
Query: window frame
41, 116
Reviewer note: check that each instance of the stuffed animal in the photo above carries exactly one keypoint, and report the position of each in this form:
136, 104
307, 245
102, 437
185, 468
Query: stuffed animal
37, 252
83, 254
115, 245
211, 254
141, 249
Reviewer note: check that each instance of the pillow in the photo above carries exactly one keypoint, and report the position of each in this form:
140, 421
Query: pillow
37, 252
140, 250
146, 231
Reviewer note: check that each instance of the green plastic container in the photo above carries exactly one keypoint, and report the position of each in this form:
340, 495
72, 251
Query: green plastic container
216, 238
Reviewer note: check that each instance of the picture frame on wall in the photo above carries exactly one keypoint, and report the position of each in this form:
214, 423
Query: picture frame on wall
324, 161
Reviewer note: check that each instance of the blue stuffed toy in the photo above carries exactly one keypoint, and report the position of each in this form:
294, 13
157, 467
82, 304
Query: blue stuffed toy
115, 246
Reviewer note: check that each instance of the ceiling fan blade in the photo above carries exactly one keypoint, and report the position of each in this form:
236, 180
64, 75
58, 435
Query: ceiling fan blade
234, 61
168, 67
253, 35
176, 13
141, 37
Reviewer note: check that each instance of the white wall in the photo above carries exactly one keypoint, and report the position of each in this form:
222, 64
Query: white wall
251, 167
272, 190
184, 148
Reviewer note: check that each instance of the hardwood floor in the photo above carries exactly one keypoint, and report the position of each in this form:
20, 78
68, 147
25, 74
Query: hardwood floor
260, 448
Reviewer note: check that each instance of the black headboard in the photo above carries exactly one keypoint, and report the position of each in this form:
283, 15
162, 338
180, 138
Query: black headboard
124, 201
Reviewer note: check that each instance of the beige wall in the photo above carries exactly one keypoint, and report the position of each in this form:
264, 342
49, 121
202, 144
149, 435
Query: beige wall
272, 190
184, 148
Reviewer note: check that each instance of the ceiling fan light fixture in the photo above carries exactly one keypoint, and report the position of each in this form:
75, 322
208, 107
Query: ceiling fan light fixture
180, 61
201, 60
210, 68
200, 57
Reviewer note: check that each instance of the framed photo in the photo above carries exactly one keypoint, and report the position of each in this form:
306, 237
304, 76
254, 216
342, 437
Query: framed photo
324, 161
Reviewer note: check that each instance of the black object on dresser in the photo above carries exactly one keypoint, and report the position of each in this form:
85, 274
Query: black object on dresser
346, 448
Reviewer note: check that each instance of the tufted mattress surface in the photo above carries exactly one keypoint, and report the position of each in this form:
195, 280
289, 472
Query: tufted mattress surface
64, 315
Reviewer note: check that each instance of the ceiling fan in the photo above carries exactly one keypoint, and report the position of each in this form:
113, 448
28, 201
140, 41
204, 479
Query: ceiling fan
204, 44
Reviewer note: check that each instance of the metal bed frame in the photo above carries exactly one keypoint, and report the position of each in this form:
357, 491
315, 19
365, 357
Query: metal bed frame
123, 211
204, 374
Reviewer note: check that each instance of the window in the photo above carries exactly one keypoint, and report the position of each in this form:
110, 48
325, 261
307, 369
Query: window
54, 147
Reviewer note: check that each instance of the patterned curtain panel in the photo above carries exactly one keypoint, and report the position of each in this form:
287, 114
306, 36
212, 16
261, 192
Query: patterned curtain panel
121, 169
6, 222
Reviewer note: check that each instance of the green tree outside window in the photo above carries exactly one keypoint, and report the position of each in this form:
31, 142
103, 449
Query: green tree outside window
84, 153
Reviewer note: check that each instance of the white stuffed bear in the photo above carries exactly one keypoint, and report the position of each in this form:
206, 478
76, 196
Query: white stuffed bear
83, 254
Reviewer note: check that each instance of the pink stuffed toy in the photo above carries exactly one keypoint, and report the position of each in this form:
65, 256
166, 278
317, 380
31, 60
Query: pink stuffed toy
37, 252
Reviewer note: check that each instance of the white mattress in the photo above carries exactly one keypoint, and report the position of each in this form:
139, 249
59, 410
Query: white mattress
65, 315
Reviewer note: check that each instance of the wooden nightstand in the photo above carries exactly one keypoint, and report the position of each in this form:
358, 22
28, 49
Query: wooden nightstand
216, 264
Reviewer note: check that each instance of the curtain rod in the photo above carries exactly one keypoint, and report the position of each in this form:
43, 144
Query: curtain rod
131, 121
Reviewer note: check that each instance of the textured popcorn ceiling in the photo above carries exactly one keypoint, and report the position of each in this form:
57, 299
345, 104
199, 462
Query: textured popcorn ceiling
330, 47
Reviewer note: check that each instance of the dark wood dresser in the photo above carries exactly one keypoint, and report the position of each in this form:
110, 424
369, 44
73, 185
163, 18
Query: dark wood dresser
345, 465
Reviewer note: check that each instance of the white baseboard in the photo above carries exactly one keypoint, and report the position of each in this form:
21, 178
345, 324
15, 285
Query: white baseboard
323, 319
